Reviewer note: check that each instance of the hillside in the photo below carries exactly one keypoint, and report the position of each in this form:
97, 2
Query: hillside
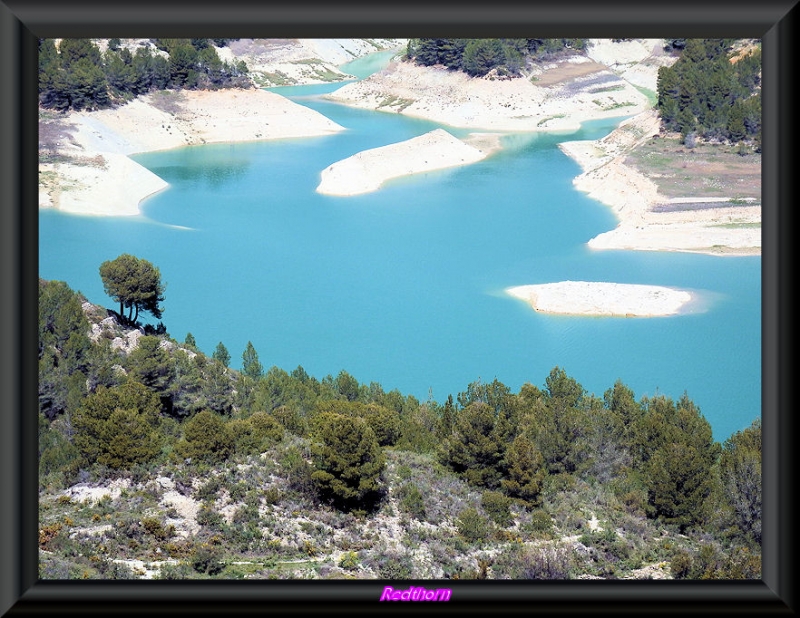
221, 473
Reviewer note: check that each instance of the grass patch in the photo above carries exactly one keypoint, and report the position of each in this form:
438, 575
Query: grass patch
398, 102
652, 96
268, 79
549, 118
739, 226
710, 170
608, 89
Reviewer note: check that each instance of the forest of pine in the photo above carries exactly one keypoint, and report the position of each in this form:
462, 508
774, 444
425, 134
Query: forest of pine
77, 75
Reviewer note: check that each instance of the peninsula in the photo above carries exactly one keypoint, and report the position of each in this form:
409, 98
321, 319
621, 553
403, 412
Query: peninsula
367, 170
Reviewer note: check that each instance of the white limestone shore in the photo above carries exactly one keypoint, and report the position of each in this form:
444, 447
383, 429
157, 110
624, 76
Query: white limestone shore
733, 230
564, 94
602, 299
367, 170
93, 174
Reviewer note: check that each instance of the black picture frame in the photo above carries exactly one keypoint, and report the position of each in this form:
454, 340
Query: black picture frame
23, 22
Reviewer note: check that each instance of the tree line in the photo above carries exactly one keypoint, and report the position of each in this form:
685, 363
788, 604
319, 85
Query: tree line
478, 57
102, 407
712, 92
76, 75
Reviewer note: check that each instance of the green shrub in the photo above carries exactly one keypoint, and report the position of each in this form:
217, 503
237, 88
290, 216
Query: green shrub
681, 564
497, 507
411, 501
541, 521
349, 561
207, 558
206, 437
473, 526
154, 526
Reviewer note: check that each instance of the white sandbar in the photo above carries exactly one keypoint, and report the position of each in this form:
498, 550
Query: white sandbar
602, 298
367, 170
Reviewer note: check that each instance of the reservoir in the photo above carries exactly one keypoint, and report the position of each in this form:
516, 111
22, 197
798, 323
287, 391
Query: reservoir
404, 286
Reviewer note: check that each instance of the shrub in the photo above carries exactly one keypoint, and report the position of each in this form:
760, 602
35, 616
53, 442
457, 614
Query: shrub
525, 562
411, 501
473, 526
349, 561
541, 521
681, 564
207, 558
154, 526
206, 437
497, 507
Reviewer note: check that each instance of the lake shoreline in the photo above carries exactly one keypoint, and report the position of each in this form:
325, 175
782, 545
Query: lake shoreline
92, 173
647, 219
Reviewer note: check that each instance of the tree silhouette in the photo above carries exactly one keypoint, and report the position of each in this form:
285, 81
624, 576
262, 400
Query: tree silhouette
133, 283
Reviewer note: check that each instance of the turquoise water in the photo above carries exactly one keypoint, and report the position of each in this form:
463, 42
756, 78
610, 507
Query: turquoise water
404, 286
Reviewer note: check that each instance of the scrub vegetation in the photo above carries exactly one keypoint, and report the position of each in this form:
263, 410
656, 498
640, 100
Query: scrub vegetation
157, 460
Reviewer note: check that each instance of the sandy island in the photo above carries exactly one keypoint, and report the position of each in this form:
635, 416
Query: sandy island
93, 174
367, 170
602, 299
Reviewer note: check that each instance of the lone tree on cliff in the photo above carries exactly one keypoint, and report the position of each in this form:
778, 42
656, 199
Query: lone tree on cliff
133, 283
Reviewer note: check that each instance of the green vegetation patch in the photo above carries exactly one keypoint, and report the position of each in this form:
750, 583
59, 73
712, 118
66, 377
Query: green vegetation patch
708, 169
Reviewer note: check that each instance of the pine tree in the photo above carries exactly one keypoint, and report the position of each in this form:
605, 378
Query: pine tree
206, 437
251, 367
472, 449
740, 466
118, 426
348, 462
524, 471
222, 355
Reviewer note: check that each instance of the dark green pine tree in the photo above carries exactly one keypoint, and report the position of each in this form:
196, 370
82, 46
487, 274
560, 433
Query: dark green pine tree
348, 462
222, 355
473, 450
151, 365
675, 445
524, 471
251, 367
118, 426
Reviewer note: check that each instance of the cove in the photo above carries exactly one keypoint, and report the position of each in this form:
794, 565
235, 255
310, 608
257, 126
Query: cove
404, 286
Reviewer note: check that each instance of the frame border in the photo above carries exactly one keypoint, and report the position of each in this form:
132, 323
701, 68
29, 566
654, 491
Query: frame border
23, 23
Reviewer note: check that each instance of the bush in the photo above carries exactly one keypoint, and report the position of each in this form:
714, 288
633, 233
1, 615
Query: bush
297, 471
497, 507
681, 564
207, 558
473, 526
411, 501
541, 521
206, 437
525, 562
349, 561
